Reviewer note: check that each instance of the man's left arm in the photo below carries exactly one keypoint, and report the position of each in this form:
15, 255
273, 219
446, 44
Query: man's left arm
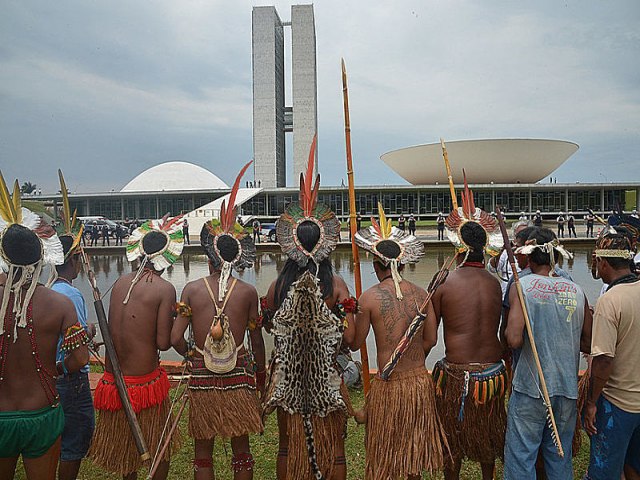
165, 318
257, 341
585, 337
603, 351
362, 324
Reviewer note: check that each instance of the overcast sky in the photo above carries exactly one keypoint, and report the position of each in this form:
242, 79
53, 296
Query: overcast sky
105, 90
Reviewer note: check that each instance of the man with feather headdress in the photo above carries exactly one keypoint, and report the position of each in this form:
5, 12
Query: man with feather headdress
32, 320
73, 387
471, 380
309, 311
140, 320
404, 436
218, 310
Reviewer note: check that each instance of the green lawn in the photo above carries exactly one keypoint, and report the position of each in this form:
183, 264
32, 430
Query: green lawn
265, 447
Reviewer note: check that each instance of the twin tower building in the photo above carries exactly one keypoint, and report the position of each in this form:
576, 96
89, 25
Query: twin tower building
272, 119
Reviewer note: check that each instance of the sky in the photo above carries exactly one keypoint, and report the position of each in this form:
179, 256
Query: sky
105, 90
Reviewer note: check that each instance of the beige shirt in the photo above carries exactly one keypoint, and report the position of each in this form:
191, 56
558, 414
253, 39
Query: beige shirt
616, 333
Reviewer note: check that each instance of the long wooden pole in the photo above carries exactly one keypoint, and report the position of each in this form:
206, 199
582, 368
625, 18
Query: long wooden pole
364, 356
527, 323
136, 431
452, 189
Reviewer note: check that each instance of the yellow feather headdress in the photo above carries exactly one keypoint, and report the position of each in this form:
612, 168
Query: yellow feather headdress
399, 248
69, 227
12, 215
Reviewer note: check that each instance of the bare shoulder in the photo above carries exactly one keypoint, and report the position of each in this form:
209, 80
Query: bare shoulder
417, 290
192, 286
339, 283
245, 289
54, 298
166, 285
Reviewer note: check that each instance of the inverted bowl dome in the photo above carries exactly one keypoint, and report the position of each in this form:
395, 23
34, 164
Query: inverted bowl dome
175, 176
485, 161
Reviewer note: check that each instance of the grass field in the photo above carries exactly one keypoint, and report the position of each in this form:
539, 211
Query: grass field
265, 447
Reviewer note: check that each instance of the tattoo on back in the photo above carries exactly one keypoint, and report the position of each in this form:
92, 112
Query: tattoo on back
393, 311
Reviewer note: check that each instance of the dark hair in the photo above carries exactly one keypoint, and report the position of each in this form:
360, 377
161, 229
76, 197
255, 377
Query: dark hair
621, 240
475, 237
525, 233
541, 236
67, 242
153, 242
228, 247
21, 246
388, 248
308, 234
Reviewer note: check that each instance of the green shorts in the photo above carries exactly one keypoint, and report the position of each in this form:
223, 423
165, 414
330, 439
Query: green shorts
30, 433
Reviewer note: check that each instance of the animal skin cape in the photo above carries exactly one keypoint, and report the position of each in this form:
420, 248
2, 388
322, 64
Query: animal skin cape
307, 337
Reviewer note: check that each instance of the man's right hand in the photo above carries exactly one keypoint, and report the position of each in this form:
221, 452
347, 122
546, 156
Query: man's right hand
589, 418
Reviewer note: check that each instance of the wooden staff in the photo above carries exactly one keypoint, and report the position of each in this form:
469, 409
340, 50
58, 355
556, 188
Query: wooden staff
108, 341
543, 384
452, 189
364, 356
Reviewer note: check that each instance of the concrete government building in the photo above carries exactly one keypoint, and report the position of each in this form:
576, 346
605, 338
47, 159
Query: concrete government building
271, 117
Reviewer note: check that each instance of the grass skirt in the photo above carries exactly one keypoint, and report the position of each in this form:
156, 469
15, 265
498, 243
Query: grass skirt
480, 434
113, 447
224, 413
404, 436
327, 433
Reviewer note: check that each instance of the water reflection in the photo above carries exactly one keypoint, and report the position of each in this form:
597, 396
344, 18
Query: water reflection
108, 268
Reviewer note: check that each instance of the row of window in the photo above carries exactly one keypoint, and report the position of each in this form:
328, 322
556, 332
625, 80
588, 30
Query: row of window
394, 203
429, 203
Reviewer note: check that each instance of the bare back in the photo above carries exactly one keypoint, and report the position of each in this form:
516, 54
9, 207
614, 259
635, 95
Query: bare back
241, 308
469, 303
390, 318
21, 388
143, 326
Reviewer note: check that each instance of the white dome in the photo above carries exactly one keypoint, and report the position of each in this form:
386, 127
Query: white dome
174, 176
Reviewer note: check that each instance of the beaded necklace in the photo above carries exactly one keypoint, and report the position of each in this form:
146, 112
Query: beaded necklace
44, 375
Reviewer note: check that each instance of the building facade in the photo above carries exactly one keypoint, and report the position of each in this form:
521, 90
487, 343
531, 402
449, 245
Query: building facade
424, 201
271, 117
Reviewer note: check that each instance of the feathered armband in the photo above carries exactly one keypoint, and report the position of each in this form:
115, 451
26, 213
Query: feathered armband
181, 309
348, 305
74, 337
265, 316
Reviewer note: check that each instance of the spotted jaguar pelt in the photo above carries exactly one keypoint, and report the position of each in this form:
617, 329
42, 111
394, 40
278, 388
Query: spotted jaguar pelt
304, 379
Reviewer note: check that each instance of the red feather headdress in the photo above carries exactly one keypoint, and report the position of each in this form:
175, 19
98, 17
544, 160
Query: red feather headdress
307, 209
227, 226
468, 212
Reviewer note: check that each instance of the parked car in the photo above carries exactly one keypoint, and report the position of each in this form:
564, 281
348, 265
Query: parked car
268, 230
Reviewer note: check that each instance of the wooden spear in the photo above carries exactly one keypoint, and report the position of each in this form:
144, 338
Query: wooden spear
364, 356
108, 343
527, 322
452, 189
